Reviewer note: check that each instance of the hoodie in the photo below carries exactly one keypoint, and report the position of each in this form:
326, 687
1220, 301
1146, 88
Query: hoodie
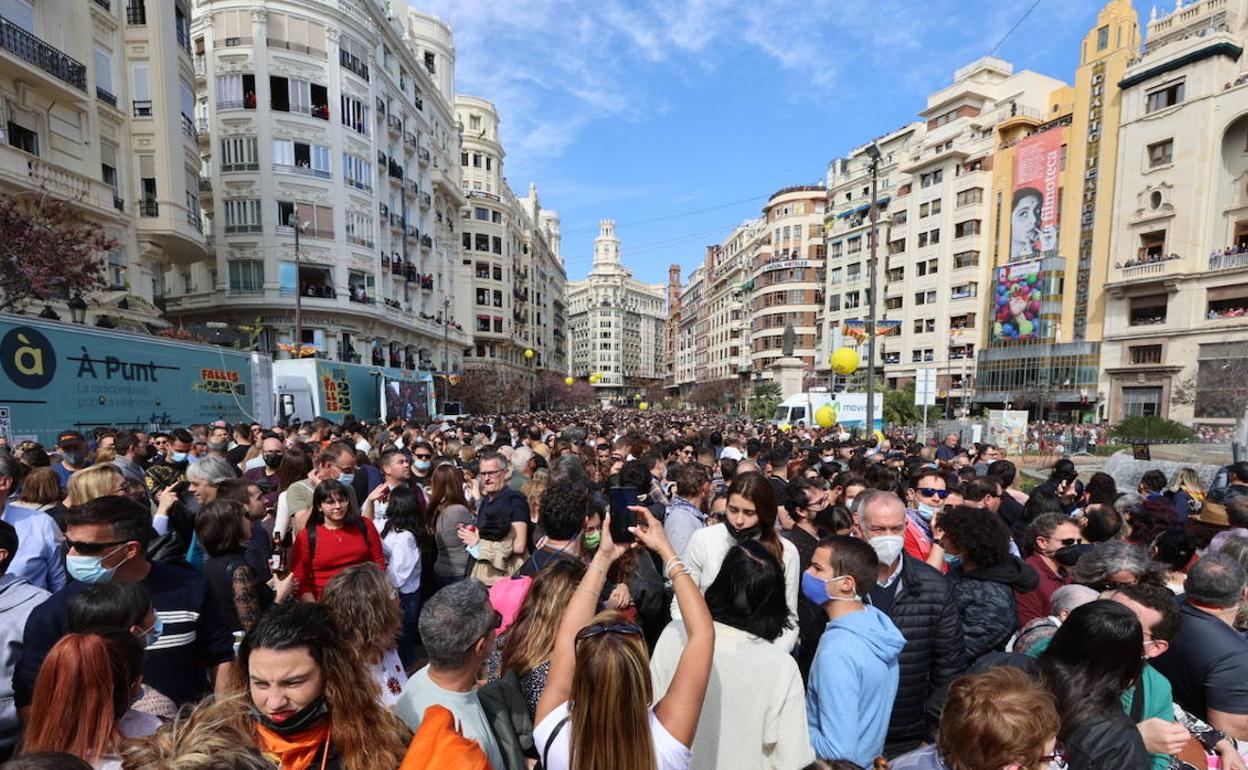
985, 599
17, 599
853, 682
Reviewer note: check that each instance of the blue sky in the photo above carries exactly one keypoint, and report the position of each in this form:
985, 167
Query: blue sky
678, 119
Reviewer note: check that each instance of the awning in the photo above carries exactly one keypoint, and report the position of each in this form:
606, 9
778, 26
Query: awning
862, 209
1238, 291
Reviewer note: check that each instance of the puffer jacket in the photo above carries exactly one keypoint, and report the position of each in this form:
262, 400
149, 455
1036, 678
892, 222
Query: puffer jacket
985, 599
927, 616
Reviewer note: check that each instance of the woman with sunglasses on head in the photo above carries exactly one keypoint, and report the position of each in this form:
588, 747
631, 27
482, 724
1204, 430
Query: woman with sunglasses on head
595, 712
1052, 544
336, 537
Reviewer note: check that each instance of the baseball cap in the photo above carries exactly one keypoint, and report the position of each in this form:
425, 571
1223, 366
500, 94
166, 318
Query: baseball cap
70, 438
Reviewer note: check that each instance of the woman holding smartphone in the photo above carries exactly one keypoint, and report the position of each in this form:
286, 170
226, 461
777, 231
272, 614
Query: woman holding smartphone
595, 712
750, 515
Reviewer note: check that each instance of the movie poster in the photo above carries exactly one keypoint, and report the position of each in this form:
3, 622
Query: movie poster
1016, 301
1036, 202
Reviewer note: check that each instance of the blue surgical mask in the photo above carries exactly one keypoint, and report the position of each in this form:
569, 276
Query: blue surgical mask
177, 457
817, 590
346, 478
91, 569
421, 465
152, 634
926, 511
953, 559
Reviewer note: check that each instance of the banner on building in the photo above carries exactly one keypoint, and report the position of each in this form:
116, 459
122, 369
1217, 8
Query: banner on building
858, 328
1016, 301
1035, 205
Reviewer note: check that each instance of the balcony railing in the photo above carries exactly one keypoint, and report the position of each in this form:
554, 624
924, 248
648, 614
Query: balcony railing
193, 219
105, 4
352, 62
105, 96
188, 127
26, 46
142, 108
1228, 259
119, 203
136, 12
148, 207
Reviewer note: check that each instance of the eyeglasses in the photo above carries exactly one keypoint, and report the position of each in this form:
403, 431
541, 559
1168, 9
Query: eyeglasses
90, 549
614, 628
493, 473
1057, 757
930, 492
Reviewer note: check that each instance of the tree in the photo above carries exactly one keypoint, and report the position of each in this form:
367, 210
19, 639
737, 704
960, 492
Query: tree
899, 408
482, 391
710, 395
550, 391
47, 250
1150, 428
766, 399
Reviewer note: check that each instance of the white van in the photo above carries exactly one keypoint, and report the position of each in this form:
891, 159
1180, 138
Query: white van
851, 408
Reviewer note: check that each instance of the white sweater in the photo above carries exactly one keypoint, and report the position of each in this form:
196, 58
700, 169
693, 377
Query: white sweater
769, 735
705, 555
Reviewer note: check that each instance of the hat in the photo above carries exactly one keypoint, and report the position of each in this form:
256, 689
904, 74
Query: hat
69, 438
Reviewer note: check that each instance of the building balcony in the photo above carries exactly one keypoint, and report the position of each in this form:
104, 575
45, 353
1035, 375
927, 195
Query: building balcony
1228, 259
24, 50
136, 13
352, 63
423, 154
106, 96
302, 48
188, 127
394, 123
173, 231
25, 171
142, 108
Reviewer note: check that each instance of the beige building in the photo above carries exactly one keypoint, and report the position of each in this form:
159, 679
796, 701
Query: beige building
98, 101
687, 336
934, 195
329, 127
1176, 322
786, 278
510, 268
616, 323
729, 266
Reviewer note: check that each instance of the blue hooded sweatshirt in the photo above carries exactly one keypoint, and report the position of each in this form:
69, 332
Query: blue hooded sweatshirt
853, 682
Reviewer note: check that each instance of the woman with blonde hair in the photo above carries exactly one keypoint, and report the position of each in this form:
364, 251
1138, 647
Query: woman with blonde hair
525, 648
365, 606
206, 739
100, 480
1186, 493
301, 699
532, 491
596, 713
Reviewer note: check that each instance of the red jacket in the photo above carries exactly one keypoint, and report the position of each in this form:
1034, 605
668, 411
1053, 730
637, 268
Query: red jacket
336, 549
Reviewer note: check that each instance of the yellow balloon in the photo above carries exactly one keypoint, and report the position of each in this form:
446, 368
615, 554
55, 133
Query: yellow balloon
643, 406
879, 435
825, 416
529, 353
785, 427
568, 380
844, 361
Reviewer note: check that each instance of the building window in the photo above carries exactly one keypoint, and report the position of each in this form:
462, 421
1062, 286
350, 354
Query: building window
357, 171
963, 229
1166, 96
1152, 245
239, 154
355, 115
117, 269
482, 242
246, 276
968, 197
242, 216
1146, 354
482, 214
1102, 38
1161, 153
1141, 402
1147, 311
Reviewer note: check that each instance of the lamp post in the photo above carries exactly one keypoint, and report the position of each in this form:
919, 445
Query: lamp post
446, 346
873, 161
78, 309
293, 222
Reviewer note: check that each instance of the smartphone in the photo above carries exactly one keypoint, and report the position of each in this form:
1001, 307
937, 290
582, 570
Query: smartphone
621, 517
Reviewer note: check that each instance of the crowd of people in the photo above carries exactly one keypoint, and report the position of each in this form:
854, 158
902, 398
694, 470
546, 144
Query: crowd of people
616, 590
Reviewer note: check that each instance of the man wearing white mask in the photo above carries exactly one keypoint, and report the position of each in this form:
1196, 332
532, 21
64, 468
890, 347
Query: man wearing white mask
919, 600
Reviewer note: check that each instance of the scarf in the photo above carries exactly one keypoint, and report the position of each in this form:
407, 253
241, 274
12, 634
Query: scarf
294, 752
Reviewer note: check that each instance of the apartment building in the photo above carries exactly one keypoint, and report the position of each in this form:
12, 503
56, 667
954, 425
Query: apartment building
510, 257
671, 330
786, 283
687, 336
1176, 318
1051, 217
616, 323
97, 104
329, 157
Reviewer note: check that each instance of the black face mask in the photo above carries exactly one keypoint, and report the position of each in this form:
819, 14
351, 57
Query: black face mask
301, 720
740, 535
273, 460
1068, 555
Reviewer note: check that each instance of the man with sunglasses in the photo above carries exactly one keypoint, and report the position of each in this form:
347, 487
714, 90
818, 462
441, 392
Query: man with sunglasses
928, 490
106, 540
457, 627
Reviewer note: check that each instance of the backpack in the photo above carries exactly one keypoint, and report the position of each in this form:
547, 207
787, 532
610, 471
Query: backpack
364, 527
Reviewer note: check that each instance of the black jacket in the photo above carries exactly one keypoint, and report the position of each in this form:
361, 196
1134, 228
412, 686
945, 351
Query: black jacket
1112, 743
925, 613
985, 601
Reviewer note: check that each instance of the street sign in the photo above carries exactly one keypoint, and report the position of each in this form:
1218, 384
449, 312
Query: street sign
925, 387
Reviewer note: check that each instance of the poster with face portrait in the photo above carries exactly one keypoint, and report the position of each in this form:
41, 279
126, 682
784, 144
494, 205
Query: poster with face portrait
1036, 202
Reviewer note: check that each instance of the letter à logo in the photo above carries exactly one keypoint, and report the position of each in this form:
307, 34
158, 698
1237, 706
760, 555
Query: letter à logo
27, 358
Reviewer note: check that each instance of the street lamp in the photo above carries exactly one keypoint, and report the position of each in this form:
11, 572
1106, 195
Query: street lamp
446, 348
293, 222
78, 309
873, 163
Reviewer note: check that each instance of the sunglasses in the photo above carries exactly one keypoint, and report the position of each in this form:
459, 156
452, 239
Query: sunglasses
422, 457
929, 492
613, 628
1069, 541
91, 549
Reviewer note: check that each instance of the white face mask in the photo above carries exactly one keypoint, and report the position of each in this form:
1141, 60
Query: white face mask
887, 547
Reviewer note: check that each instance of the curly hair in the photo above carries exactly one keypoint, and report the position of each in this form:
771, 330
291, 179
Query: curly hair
362, 602
206, 739
978, 533
365, 735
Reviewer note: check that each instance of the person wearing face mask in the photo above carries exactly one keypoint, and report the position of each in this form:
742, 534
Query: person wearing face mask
1052, 545
299, 696
422, 463
928, 492
106, 541
751, 515
218, 442
73, 447
919, 601
856, 671
272, 451
170, 466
